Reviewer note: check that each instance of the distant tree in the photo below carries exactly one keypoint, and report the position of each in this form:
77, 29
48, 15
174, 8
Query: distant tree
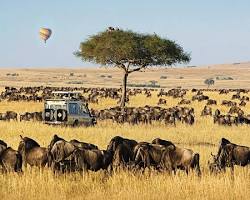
209, 82
130, 52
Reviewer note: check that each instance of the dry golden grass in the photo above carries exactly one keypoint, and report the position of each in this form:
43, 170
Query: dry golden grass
35, 184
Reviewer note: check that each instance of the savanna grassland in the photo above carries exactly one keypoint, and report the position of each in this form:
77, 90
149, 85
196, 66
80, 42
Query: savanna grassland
203, 137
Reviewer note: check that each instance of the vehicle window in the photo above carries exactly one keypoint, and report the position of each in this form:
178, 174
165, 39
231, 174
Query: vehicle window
73, 108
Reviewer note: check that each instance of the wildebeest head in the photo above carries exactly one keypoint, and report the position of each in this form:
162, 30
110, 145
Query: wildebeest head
222, 144
55, 138
3, 146
225, 157
26, 144
61, 150
107, 158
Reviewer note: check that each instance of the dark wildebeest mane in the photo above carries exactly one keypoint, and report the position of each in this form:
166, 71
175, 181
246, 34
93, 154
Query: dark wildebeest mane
3, 143
224, 141
27, 143
55, 139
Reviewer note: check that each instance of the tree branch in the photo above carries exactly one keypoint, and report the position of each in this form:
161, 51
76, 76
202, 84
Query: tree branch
137, 69
121, 66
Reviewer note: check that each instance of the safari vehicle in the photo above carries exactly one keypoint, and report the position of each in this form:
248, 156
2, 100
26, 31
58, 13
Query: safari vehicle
68, 109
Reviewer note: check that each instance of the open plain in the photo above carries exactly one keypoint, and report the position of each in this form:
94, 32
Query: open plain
202, 137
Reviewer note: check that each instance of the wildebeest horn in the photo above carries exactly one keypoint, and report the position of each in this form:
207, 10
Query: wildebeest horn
21, 137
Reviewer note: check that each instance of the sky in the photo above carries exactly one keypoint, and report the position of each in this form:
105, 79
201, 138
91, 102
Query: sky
214, 31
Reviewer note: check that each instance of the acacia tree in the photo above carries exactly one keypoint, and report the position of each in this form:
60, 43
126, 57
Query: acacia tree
130, 52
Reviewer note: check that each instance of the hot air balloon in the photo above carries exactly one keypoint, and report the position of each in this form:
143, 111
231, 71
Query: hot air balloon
45, 33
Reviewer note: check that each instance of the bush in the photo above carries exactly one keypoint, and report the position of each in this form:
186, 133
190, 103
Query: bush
12, 74
163, 77
224, 78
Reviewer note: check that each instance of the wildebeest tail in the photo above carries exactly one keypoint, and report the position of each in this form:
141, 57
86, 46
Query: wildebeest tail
195, 160
50, 159
19, 162
195, 163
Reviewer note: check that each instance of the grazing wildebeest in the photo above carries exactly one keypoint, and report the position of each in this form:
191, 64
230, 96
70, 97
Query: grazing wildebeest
148, 155
180, 158
174, 158
230, 154
32, 153
206, 111
93, 160
11, 115
162, 101
122, 150
10, 160
61, 150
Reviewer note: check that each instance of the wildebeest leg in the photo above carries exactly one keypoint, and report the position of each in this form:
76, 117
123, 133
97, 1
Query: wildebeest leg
109, 170
187, 170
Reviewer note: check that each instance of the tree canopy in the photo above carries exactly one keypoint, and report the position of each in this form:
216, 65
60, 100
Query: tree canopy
130, 50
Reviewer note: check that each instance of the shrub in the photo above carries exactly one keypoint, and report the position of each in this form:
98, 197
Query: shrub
163, 77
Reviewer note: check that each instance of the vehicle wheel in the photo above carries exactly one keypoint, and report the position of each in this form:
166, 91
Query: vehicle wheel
76, 123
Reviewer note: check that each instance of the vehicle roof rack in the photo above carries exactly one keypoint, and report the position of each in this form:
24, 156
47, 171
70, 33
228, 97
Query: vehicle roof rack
66, 95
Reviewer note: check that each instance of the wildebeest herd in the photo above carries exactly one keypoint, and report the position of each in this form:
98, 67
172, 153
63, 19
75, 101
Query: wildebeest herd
161, 155
135, 115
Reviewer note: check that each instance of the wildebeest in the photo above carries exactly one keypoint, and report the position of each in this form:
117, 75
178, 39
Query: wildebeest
60, 155
32, 153
162, 101
174, 158
27, 116
184, 101
78, 155
230, 154
94, 159
10, 159
206, 111
148, 155
8, 116
122, 149
211, 102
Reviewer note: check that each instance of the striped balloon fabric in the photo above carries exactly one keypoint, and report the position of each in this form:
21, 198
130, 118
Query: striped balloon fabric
45, 33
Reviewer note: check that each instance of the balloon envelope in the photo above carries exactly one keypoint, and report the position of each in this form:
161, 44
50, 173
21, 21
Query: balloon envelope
45, 33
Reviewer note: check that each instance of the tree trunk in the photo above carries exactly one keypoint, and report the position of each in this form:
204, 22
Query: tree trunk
124, 89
